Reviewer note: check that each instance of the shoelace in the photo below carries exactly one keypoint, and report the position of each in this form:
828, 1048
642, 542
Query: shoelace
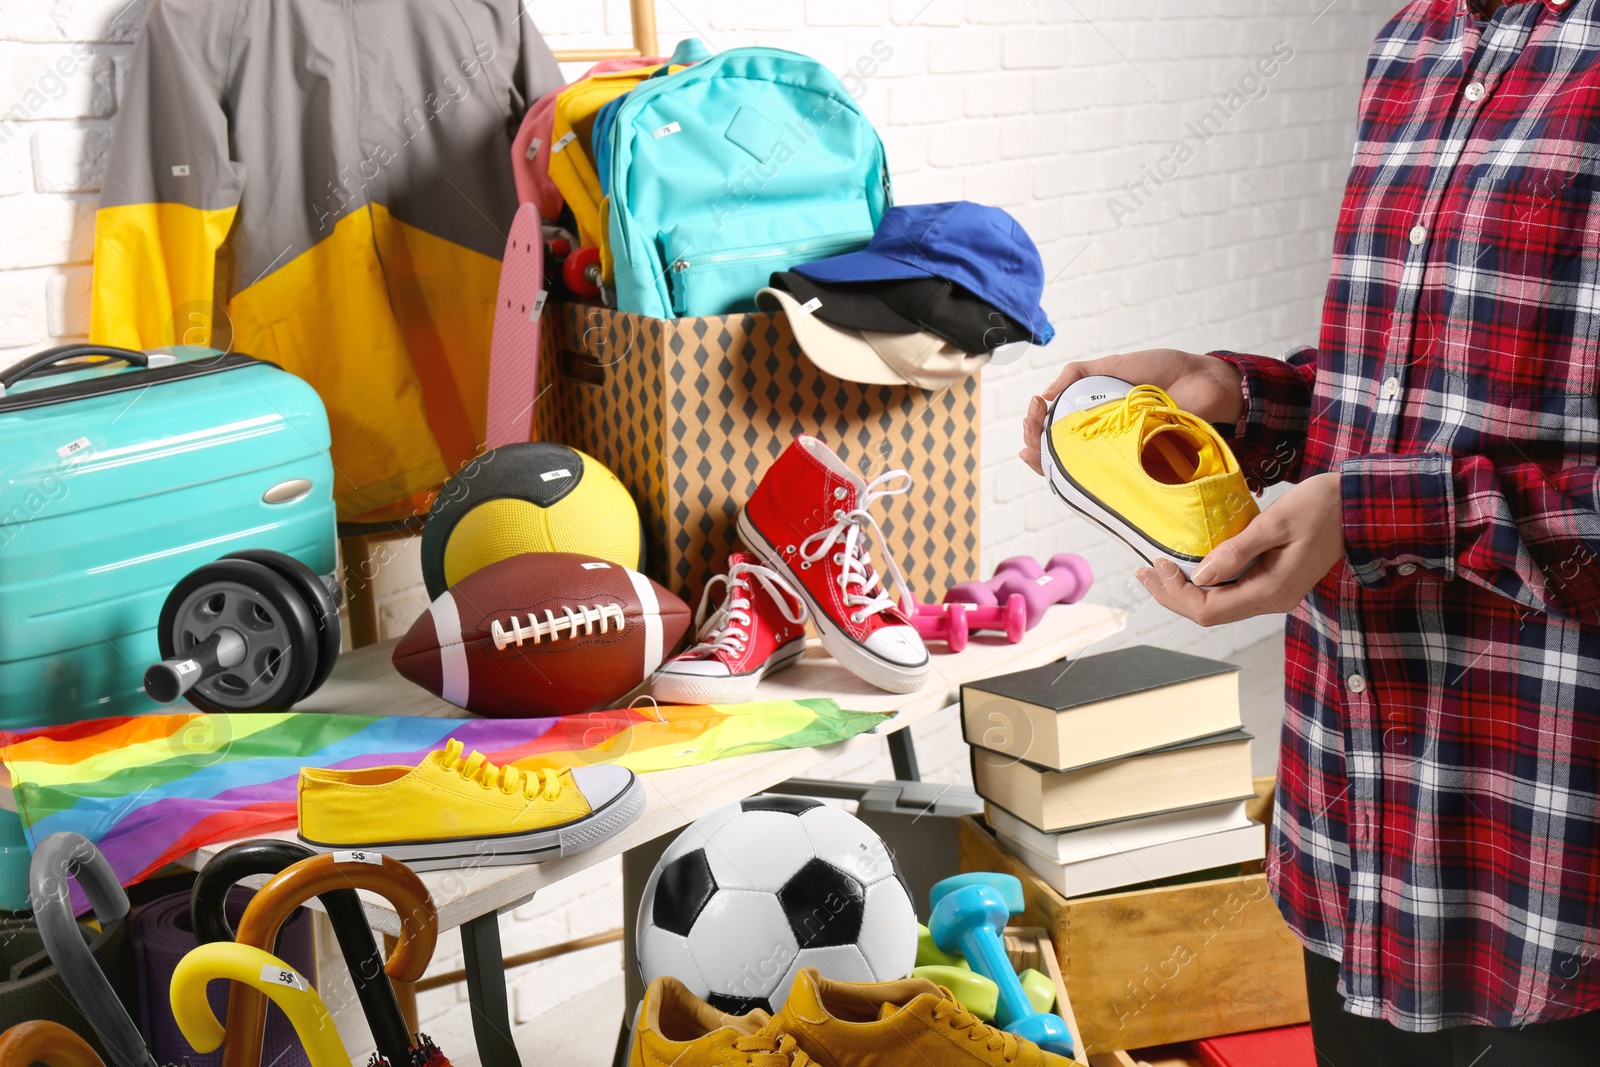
725, 629
533, 785
588, 617
855, 529
1145, 401
959, 1018
772, 1050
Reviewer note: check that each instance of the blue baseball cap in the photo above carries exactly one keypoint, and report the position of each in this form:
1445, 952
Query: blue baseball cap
982, 249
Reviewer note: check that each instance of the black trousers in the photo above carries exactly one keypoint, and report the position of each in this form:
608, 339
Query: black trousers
1345, 1040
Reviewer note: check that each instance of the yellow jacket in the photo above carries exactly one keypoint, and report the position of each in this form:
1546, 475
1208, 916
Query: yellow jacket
357, 154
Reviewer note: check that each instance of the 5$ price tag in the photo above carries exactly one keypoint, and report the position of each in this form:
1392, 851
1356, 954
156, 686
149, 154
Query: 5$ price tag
283, 976
359, 856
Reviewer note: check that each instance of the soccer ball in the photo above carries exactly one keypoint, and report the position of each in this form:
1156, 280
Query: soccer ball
757, 889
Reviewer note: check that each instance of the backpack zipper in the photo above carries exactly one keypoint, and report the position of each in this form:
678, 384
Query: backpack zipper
683, 263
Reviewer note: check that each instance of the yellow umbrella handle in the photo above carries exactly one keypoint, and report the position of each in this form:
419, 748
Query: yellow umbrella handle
259, 970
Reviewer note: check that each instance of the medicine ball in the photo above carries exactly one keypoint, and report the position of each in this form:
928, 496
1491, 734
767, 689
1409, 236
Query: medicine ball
528, 497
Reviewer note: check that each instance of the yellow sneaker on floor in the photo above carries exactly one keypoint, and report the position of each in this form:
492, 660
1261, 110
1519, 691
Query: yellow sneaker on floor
457, 810
895, 1024
678, 1029
1157, 477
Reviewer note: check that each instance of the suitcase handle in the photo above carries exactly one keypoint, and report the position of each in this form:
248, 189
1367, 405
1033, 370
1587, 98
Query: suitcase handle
61, 353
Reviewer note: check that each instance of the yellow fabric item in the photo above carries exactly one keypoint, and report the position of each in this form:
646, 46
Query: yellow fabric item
448, 796
155, 271
1163, 470
419, 314
678, 1029
334, 298
891, 1024
571, 166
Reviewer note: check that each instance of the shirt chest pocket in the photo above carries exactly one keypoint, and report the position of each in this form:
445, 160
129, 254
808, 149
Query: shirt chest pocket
1518, 303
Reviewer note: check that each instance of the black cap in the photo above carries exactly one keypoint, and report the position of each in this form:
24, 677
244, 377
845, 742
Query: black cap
911, 305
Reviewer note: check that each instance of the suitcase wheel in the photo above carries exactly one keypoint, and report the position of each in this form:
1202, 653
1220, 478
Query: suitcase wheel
257, 631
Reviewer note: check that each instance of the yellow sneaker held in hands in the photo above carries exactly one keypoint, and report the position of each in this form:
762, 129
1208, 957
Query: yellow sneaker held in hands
1157, 477
894, 1024
678, 1029
458, 810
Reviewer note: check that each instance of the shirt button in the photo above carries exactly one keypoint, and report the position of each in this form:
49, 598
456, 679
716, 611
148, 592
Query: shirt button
1407, 569
1419, 234
1356, 683
1391, 388
1475, 91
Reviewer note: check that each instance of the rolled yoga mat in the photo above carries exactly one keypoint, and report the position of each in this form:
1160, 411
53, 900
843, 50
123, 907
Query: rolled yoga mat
161, 935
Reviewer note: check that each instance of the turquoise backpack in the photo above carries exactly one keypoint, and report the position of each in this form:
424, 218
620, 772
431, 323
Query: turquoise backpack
750, 162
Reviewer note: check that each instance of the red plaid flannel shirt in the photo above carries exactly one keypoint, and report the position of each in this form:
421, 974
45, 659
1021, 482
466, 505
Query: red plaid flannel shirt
1438, 817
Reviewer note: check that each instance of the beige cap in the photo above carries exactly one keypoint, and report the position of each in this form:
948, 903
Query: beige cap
919, 359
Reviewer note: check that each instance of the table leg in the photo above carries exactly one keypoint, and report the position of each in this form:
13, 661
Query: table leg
903, 755
486, 991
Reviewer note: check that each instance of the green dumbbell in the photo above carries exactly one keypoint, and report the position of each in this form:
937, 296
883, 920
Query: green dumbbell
928, 954
1039, 989
975, 992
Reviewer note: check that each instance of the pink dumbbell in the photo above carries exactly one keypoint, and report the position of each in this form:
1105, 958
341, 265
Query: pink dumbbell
1064, 580
936, 622
1012, 616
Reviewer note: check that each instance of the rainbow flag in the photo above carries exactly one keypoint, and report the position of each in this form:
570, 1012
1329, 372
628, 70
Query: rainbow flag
151, 788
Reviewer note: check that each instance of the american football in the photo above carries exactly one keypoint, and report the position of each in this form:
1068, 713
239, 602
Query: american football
543, 633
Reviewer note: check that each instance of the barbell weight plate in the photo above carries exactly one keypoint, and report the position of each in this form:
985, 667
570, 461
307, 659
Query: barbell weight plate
281, 639
318, 600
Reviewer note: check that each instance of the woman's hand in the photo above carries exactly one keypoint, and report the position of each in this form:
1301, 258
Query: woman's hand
1294, 543
1202, 385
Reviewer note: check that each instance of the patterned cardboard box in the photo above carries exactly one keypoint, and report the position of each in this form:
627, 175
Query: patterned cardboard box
690, 412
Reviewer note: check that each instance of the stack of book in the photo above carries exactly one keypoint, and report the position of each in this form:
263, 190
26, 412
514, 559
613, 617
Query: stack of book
1115, 770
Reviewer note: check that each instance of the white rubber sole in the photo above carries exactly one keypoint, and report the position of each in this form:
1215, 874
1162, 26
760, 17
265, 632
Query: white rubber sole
673, 688
872, 669
533, 847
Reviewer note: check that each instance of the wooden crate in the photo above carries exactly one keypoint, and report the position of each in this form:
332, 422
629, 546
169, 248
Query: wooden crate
1156, 966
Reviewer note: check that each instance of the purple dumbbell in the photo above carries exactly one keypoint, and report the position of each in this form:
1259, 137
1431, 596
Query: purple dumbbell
1064, 580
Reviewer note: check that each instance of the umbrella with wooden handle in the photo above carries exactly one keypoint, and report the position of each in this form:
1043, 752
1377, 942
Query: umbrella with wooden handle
271, 907
207, 912
263, 974
51, 1044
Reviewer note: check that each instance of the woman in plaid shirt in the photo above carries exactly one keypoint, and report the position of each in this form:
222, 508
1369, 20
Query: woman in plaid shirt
1437, 830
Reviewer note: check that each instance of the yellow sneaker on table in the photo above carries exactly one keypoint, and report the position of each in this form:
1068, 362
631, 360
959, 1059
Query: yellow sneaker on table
1157, 477
894, 1024
678, 1029
458, 810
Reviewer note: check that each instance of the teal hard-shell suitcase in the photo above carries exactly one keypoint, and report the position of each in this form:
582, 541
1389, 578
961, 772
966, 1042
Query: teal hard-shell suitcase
119, 478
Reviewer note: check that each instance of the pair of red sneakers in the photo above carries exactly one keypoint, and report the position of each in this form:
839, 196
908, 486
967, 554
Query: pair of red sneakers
810, 537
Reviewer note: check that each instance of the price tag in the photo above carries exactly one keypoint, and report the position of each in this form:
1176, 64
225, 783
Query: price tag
72, 448
562, 142
555, 475
533, 147
538, 305
284, 977
810, 305
1044, 579
359, 856
668, 130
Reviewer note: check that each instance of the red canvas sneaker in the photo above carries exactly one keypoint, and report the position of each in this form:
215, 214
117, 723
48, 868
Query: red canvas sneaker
757, 629
809, 518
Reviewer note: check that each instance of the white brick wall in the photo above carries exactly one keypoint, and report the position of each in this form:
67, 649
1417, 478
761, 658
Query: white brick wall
1044, 107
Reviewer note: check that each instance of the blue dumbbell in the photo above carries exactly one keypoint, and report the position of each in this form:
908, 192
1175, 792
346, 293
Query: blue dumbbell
970, 919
